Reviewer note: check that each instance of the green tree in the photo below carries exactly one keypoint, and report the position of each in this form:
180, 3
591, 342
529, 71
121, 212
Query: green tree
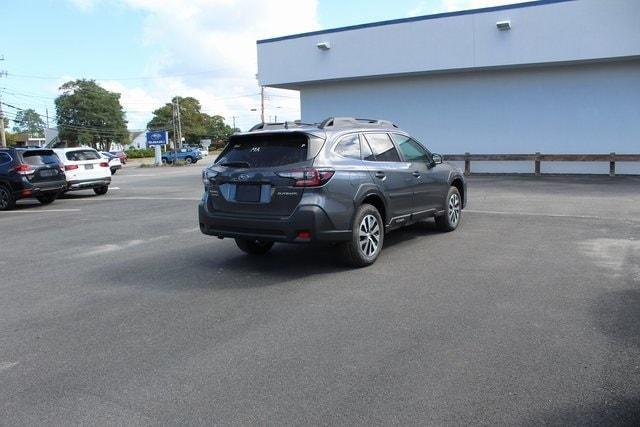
89, 114
196, 125
29, 122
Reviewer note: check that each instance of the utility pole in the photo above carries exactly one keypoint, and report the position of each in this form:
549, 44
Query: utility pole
3, 138
179, 124
262, 104
46, 110
234, 122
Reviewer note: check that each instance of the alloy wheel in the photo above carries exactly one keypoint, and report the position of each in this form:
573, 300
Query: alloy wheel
454, 209
369, 235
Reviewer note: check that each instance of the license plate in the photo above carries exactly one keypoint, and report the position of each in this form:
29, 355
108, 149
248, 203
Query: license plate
87, 167
48, 172
248, 193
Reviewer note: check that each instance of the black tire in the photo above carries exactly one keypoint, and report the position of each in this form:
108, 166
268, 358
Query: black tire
453, 211
7, 201
254, 246
46, 199
367, 237
101, 190
113, 171
165, 161
189, 160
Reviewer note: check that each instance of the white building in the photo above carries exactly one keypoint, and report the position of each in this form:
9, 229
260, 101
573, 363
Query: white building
551, 76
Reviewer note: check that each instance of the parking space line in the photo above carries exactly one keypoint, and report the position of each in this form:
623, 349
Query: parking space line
21, 211
7, 365
550, 215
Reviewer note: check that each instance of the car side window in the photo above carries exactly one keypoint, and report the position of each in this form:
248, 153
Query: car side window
5, 158
367, 154
412, 150
349, 147
382, 147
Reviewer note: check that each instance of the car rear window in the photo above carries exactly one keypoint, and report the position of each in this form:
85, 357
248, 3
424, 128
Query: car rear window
40, 157
269, 150
79, 155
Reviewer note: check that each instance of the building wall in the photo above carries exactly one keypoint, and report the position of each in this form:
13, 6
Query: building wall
588, 108
548, 32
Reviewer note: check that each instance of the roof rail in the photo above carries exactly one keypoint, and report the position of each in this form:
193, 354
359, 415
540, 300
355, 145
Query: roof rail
339, 122
280, 125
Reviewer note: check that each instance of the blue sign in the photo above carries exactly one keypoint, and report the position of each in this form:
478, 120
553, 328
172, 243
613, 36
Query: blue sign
157, 137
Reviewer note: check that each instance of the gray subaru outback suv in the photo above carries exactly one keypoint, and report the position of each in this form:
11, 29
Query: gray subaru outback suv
345, 180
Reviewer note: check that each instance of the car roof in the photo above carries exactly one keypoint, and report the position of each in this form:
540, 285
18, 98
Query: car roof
329, 126
67, 149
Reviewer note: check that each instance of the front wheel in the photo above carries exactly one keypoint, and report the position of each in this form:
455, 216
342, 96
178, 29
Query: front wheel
189, 160
254, 246
453, 211
367, 237
46, 199
101, 190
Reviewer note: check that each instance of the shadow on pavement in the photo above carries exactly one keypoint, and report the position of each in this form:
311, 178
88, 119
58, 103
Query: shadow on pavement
617, 315
224, 266
624, 412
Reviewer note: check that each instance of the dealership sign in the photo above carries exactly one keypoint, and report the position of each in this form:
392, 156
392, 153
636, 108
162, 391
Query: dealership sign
157, 137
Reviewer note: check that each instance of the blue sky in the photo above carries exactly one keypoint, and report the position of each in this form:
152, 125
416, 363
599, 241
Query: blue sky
149, 50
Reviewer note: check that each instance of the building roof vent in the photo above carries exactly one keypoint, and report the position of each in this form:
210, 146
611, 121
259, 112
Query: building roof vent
503, 25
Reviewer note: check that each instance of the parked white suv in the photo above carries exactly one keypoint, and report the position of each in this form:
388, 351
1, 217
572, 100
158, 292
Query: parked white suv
85, 169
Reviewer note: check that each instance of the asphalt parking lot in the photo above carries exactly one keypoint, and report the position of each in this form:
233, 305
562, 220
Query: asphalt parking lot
116, 310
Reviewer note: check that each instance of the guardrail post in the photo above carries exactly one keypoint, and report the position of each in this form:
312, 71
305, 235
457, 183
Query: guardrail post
537, 164
467, 164
612, 164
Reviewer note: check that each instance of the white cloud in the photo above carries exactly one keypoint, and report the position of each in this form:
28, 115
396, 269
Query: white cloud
216, 36
438, 6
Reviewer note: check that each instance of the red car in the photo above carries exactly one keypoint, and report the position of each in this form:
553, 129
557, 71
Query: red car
121, 155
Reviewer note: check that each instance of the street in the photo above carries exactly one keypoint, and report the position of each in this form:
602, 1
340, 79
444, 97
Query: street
115, 309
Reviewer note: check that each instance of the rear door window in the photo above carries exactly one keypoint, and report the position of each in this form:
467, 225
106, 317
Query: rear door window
36, 158
80, 155
382, 147
269, 150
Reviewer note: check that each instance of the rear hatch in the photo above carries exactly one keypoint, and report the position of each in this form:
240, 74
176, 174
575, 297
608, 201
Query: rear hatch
252, 174
85, 164
45, 167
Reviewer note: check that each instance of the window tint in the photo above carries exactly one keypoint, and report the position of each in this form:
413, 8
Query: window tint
349, 146
411, 149
4, 158
35, 158
80, 155
269, 150
382, 147
367, 154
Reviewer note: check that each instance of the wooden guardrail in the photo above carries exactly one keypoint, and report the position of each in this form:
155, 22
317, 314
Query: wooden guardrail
538, 158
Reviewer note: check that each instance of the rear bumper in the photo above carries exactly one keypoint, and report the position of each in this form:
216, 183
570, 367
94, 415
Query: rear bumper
34, 189
88, 183
309, 218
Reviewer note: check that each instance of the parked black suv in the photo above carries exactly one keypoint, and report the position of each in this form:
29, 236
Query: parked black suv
29, 172
344, 180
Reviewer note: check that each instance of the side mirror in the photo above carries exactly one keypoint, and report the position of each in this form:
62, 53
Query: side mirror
437, 159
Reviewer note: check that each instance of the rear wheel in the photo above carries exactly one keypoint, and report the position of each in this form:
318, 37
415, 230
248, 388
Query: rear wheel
101, 190
7, 202
453, 211
113, 171
254, 246
367, 237
189, 160
45, 199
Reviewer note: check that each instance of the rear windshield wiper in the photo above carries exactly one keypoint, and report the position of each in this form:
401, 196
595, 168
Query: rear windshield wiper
235, 164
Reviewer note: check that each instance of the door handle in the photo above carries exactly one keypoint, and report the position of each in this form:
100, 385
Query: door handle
416, 174
379, 174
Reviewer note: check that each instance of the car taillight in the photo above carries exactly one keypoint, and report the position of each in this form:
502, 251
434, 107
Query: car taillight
24, 169
70, 167
104, 164
308, 177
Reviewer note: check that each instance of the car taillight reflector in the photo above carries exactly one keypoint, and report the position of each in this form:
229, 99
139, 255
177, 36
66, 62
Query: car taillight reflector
104, 164
308, 177
24, 169
70, 167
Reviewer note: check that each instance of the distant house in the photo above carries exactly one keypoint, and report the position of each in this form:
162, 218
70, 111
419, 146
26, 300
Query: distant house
138, 139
